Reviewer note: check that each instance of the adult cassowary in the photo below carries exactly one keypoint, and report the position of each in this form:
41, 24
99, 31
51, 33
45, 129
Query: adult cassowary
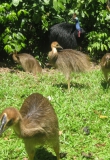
66, 35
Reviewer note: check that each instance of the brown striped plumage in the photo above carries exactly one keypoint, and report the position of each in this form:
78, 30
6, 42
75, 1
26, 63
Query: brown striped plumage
36, 123
28, 62
105, 65
68, 60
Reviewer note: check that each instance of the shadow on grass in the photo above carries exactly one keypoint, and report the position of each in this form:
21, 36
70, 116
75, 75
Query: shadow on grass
43, 154
105, 85
72, 85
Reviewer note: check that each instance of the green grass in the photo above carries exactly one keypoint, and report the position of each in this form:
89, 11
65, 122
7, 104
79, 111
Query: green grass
80, 108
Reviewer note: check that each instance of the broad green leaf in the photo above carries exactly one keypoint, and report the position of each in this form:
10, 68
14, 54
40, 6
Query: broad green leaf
102, 1
23, 45
61, 5
1, 19
7, 38
58, 5
18, 47
15, 2
102, 47
7, 30
8, 48
62, 1
46, 1
22, 11
12, 16
20, 36
105, 47
55, 4
89, 49
2, 9
98, 46
6, 6
14, 35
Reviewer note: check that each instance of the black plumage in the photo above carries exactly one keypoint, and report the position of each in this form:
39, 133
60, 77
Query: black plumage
66, 35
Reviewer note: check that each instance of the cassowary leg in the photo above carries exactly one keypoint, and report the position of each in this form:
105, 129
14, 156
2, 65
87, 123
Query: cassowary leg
34, 70
30, 151
68, 83
56, 150
105, 75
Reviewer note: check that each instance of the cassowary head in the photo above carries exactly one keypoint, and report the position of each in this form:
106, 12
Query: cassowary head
56, 45
8, 118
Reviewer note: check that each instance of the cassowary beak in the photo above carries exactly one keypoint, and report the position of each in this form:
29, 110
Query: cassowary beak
3, 124
59, 47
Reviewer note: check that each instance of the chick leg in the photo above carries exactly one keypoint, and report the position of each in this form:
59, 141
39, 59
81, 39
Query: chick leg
105, 75
68, 83
56, 150
30, 151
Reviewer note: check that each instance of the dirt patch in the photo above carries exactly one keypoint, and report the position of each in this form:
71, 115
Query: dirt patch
95, 66
12, 68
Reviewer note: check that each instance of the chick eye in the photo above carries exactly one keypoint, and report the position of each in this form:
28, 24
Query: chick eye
10, 122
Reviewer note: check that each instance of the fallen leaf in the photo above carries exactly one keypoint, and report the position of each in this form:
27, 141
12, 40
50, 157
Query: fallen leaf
100, 145
103, 117
87, 155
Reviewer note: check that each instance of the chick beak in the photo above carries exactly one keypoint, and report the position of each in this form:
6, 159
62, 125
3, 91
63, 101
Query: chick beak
3, 124
59, 47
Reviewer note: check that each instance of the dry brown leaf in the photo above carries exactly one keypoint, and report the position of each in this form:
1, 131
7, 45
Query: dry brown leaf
100, 145
87, 155
102, 116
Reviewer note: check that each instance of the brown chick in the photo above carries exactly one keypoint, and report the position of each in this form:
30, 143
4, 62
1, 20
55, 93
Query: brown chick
28, 62
105, 65
68, 60
36, 123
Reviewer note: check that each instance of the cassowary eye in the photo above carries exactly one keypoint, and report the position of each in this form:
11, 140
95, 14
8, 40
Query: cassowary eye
10, 122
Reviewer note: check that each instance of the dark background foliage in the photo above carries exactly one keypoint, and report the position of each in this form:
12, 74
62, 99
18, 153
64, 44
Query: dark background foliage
24, 25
